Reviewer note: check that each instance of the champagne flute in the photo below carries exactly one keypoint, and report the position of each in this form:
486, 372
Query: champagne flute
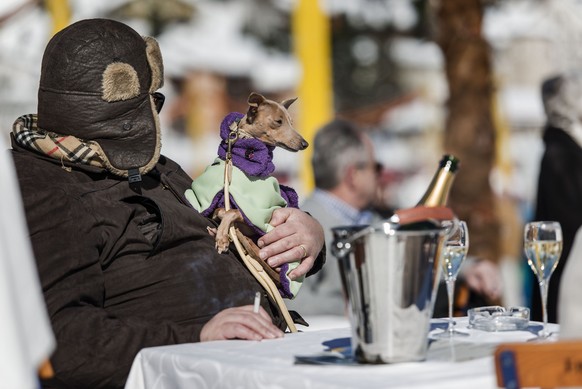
543, 247
454, 253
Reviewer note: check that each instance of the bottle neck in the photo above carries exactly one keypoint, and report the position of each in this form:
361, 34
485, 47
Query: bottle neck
438, 190
437, 193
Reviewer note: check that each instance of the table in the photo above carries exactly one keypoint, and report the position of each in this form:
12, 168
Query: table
462, 363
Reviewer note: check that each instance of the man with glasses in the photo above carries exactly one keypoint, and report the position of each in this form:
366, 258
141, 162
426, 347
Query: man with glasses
346, 179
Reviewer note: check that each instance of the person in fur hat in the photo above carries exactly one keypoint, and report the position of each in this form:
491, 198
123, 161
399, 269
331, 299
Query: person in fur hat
124, 261
559, 191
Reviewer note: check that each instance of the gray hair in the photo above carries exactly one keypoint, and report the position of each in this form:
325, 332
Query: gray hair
562, 98
337, 146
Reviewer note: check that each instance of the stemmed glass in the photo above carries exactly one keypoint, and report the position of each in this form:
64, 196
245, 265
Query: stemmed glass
454, 253
543, 247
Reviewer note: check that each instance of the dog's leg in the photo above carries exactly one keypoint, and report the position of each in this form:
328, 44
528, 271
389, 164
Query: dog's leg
253, 251
227, 218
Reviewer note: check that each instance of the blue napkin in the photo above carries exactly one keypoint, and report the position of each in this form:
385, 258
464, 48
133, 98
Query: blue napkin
338, 352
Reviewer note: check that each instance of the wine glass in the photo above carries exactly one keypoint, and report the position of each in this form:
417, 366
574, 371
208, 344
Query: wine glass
543, 247
454, 253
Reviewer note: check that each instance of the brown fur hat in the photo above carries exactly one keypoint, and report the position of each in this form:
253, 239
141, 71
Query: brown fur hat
96, 82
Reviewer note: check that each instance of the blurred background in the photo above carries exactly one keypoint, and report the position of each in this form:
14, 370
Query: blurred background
422, 77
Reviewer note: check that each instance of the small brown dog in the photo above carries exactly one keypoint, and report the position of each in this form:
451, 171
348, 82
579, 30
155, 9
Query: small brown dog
269, 122
248, 141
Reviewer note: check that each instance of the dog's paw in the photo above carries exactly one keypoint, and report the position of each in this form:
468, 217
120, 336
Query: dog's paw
211, 231
222, 244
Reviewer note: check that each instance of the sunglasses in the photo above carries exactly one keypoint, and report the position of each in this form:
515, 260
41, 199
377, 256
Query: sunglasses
159, 100
377, 166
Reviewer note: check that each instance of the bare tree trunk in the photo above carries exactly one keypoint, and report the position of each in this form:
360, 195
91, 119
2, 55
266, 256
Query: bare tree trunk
470, 131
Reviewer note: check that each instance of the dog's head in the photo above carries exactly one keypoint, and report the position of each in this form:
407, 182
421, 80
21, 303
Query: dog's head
270, 122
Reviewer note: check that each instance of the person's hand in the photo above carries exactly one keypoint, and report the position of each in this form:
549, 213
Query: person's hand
296, 236
484, 278
240, 323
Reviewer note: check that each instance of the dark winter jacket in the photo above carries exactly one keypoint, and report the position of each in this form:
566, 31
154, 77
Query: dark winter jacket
120, 270
559, 198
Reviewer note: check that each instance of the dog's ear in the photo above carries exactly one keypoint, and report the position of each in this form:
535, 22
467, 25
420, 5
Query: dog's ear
287, 103
254, 101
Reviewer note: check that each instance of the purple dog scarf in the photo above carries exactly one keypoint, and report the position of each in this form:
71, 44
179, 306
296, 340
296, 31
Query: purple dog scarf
250, 155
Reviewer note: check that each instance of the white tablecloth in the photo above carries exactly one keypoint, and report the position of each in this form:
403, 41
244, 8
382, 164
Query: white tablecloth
464, 363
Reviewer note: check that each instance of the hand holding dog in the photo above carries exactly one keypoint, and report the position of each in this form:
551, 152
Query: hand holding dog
240, 323
296, 235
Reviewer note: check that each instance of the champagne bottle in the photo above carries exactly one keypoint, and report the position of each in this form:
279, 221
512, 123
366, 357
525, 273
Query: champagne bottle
433, 204
438, 190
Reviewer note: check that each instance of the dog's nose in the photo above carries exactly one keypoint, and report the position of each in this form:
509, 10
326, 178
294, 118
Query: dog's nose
304, 144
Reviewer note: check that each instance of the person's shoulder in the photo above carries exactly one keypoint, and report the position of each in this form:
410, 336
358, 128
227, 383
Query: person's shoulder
168, 163
39, 169
45, 180
173, 174
169, 166
311, 204
561, 150
315, 205
557, 138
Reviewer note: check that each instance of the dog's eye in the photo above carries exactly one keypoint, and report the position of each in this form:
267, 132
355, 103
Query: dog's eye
279, 122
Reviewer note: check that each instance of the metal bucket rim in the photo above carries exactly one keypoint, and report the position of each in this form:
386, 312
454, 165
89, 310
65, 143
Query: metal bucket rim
386, 227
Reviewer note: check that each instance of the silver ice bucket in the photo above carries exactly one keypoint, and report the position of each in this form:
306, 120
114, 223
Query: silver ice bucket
390, 272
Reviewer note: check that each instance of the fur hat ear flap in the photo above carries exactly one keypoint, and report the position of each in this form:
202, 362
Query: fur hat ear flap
120, 82
154, 56
287, 103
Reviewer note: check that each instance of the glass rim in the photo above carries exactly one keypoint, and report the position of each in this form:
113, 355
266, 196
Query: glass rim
543, 222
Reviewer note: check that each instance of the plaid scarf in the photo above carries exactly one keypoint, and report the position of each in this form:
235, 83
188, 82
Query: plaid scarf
62, 147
